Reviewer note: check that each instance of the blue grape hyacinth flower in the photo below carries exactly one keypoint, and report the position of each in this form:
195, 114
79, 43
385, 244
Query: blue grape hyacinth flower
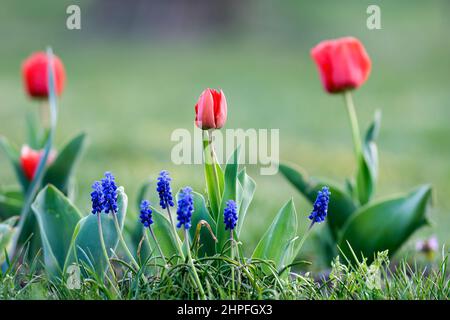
146, 214
230, 216
164, 190
185, 208
109, 193
97, 197
320, 208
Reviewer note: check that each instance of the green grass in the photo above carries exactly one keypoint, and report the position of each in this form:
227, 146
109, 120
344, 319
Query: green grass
130, 95
253, 279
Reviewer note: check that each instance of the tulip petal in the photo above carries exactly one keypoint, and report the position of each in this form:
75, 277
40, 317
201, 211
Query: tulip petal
220, 109
34, 72
29, 160
205, 111
342, 63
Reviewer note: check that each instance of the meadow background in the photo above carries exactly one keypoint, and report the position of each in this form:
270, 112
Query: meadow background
136, 69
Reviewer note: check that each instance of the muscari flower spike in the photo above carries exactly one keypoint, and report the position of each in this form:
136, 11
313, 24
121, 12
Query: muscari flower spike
320, 208
109, 189
146, 214
97, 197
230, 216
185, 208
164, 190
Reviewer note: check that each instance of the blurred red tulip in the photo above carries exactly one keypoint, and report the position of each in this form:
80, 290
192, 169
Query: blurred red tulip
343, 64
29, 160
34, 73
211, 110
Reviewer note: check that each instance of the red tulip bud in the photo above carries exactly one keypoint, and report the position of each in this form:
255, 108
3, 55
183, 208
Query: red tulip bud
211, 110
34, 73
343, 64
29, 160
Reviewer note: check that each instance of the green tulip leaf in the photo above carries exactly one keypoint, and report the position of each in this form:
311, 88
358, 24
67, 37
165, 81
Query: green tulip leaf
168, 240
32, 188
11, 203
7, 231
61, 170
278, 241
214, 186
341, 205
289, 254
207, 243
229, 193
13, 155
87, 245
133, 227
385, 225
367, 175
244, 197
57, 218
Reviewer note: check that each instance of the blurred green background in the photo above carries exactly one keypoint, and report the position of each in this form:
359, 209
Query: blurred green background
136, 69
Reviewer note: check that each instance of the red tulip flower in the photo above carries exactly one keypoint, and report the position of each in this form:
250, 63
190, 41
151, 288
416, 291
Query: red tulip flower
35, 75
29, 160
211, 110
343, 64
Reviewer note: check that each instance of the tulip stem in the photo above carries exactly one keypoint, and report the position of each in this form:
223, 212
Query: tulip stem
213, 159
354, 123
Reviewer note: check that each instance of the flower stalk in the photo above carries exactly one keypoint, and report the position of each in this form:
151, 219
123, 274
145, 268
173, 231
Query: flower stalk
157, 245
174, 229
230, 219
146, 217
166, 201
102, 243
194, 270
232, 267
109, 266
214, 163
123, 243
185, 207
318, 215
354, 124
